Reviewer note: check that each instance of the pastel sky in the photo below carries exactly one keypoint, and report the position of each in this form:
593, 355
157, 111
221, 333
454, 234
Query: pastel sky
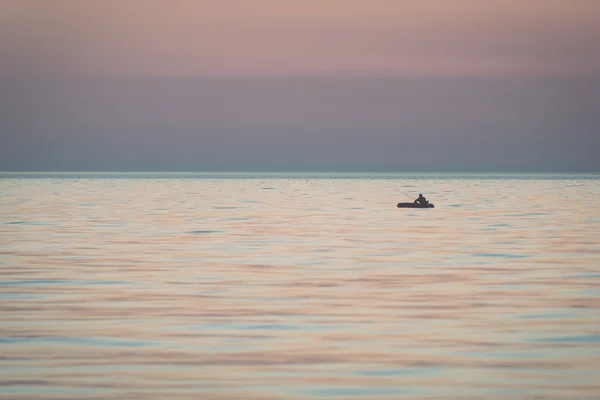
294, 85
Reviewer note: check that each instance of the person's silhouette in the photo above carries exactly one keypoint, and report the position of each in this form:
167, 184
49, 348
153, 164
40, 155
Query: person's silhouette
421, 200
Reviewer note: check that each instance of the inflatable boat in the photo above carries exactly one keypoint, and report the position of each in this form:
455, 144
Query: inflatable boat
414, 205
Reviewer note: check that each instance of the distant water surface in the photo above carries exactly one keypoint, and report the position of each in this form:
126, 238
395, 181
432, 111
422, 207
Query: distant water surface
299, 286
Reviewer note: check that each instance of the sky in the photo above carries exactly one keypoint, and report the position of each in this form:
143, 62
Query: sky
282, 85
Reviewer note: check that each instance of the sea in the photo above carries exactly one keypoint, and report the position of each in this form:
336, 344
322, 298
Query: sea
290, 286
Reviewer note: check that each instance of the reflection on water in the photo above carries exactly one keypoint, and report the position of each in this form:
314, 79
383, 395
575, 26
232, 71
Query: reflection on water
265, 288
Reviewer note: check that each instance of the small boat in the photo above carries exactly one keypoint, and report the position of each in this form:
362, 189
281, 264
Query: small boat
414, 205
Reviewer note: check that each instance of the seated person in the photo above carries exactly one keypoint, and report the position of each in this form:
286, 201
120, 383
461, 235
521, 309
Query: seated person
421, 200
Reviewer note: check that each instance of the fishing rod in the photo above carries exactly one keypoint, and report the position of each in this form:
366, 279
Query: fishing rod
411, 197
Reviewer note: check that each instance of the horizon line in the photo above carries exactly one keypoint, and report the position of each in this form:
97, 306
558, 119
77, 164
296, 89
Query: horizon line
290, 172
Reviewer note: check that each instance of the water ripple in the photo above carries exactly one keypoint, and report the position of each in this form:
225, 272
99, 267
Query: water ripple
316, 287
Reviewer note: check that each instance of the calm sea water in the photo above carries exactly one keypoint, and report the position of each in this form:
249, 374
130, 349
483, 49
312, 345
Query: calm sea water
225, 286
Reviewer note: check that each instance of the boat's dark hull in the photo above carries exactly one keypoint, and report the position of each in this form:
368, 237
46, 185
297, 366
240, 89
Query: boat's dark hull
413, 205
